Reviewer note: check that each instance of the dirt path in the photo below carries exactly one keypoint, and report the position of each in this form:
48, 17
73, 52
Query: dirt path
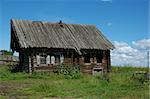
12, 91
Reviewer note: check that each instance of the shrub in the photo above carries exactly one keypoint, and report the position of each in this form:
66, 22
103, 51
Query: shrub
142, 78
70, 71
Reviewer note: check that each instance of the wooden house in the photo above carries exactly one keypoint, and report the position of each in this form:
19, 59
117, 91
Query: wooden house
43, 45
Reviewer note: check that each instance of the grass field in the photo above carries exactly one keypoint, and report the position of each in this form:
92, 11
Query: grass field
117, 84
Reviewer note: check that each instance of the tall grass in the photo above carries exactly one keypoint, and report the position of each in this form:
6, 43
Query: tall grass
116, 84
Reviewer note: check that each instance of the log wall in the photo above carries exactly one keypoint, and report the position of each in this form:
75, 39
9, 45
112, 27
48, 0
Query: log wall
24, 60
28, 62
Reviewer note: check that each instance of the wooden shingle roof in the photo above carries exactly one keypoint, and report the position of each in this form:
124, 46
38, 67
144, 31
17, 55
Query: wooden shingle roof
58, 35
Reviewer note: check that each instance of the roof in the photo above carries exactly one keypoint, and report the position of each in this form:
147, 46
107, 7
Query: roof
58, 35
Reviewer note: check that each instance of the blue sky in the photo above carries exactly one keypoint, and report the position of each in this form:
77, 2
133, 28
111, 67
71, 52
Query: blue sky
123, 21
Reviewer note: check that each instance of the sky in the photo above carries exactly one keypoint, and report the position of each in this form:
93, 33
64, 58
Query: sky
124, 22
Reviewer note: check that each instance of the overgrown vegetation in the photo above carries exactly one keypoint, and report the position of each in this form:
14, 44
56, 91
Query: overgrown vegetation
70, 71
117, 84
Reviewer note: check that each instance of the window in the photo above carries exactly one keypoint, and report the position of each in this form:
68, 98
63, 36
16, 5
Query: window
42, 59
52, 60
48, 59
38, 59
99, 57
87, 58
61, 58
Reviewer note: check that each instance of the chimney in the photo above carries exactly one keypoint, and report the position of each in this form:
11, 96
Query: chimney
60, 22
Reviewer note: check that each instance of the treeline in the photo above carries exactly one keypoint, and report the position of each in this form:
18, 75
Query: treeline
6, 52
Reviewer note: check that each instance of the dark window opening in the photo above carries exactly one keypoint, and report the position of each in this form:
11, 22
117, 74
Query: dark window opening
99, 57
87, 58
77, 60
42, 59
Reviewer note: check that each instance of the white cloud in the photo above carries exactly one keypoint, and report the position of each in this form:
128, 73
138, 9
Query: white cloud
122, 47
124, 54
142, 44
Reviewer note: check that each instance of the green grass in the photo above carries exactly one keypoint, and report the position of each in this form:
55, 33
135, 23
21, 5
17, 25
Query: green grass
119, 84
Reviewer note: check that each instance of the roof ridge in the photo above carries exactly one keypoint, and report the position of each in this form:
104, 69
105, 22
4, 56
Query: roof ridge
51, 22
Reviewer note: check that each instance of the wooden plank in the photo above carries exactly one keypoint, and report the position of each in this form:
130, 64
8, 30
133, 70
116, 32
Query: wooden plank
69, 36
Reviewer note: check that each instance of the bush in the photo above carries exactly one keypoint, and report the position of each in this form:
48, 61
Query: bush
13, 67
142, 78
70, 71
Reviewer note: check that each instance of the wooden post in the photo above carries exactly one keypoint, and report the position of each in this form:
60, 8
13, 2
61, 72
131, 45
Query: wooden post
72, 57
30, 70
21, 59
104, 61
95, 60
31, 63
148, 60
91, 59
108, 61
81, 63
81, 60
